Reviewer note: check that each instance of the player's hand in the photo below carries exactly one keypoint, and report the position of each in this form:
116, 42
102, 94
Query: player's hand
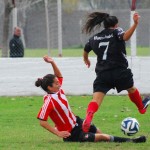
48, 59
87, 62
63, 134
136, 17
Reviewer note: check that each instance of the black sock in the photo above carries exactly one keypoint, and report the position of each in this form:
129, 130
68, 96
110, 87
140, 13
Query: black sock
119, 139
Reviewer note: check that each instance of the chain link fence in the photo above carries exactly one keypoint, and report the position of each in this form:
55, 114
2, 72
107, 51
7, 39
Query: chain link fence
31, 18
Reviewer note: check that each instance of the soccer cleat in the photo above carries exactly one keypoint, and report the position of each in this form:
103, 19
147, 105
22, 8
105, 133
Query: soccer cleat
87, 122
140, 139
146, 102
142, 111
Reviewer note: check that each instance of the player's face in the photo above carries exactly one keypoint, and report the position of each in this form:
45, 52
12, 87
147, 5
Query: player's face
55, 86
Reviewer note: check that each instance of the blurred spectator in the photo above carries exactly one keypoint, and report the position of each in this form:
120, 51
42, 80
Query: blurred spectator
15, 45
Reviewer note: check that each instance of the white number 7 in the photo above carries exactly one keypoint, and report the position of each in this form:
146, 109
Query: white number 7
106, 44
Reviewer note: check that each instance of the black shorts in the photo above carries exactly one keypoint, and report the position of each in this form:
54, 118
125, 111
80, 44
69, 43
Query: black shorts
119, 78
77, 135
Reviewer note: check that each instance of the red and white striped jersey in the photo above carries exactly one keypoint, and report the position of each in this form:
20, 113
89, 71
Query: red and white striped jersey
56, 107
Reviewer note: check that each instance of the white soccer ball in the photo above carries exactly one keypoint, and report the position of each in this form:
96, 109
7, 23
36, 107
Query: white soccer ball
130, 126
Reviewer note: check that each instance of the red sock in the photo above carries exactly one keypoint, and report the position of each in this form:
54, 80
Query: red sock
92, 107
137, 100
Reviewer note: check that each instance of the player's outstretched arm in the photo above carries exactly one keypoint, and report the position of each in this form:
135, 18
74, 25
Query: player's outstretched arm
130, 31
46, 125
55, 68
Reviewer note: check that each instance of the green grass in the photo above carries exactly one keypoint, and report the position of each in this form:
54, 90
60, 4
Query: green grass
20, 130
143, 51
76, 52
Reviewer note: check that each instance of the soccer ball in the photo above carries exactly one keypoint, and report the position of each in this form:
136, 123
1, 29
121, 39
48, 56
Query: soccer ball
130, 126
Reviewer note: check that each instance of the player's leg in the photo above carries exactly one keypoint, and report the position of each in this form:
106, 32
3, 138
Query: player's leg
101, 86
136, 98
110, 138
92, 108
140, 139
124, 81
91, 137
134, 94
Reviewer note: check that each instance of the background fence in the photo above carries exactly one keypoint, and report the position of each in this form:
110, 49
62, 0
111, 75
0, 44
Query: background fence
32, 19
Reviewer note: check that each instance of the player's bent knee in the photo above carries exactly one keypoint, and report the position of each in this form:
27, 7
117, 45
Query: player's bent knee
87, 137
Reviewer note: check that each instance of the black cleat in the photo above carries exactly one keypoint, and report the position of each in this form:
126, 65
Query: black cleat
146, 102
140, 139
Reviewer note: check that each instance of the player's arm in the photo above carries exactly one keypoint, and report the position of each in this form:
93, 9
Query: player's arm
130, 31
86, 51
55, 68
86, 59
46, 125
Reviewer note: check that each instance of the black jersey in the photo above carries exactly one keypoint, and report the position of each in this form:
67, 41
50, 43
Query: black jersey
109, 47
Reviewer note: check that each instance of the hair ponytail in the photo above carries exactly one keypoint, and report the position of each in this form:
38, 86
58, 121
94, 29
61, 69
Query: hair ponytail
38, 82
94, 20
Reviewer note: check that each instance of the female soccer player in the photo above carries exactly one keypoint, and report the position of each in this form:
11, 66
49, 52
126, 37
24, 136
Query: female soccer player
67, 125
112, 66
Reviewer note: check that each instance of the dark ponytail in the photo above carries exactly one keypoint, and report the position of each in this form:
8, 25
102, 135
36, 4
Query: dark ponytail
45, 82
94, 20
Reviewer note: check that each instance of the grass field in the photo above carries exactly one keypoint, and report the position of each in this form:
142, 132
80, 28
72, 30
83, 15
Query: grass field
20, 130
76, 52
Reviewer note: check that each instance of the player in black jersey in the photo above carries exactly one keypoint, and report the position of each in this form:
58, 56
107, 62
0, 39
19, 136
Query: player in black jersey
112, 66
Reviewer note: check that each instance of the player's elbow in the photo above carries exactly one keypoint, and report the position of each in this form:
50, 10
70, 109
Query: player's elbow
126, 38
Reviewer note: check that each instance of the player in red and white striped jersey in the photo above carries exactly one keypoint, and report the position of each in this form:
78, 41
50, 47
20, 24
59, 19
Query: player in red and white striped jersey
57, 108
67, 125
